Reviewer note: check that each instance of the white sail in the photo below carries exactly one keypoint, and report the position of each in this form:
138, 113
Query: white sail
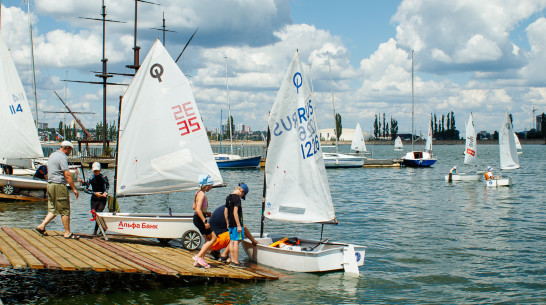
163, 145
297, 186
428, 143
507, 146
398, 143
18, 133
358, 139
470, 151
518, 144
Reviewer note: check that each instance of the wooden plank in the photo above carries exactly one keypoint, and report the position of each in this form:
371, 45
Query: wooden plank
138, 259
22, 198
44, 259
43, 244
17, 244
107, 263
4, 261
13, 257
116, 260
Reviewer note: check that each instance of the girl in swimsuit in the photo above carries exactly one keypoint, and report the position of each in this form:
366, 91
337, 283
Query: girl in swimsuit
200, 205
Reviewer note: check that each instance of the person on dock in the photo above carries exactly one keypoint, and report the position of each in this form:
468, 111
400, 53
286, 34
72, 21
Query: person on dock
200, 205
97, 187
234, 218
489, 173
219, 226
41, 173
58, 202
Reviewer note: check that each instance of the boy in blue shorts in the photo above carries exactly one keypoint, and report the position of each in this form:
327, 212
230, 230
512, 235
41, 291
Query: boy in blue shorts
234, 219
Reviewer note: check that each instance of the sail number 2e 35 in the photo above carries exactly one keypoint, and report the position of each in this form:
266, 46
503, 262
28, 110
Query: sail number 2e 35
185, 118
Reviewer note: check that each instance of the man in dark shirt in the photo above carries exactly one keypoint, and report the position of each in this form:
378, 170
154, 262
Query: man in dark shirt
41, 173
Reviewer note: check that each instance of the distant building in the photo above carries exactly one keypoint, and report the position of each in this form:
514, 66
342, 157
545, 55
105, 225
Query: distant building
539, 123
42, 125
247, 129
484, 135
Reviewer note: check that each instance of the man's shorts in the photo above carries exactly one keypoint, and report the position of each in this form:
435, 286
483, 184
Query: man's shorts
58, 202
221, 242
236, 236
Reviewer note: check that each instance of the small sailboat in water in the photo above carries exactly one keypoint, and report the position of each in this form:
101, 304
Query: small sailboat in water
508, 154
470, 154
398, 146
162, 148
518, 144
296, 187
358, 145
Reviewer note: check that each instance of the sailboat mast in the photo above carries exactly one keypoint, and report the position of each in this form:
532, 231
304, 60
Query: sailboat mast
333, 102
32, 57
117, 150
412, 52
229, 109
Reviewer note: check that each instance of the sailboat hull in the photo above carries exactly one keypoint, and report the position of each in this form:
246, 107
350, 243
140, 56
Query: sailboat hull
153, 225
237, 162
464, 177
324, 257
22, 182
418, 159
335, 160
502, 181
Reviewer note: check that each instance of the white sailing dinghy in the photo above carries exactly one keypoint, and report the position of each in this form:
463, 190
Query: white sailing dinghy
296, 188
518, 144
470, 154
508, 155
358, 144
162, 148
398, 146
19, 141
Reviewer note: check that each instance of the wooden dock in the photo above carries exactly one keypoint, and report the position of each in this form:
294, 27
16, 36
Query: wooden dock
26, 248
383, 163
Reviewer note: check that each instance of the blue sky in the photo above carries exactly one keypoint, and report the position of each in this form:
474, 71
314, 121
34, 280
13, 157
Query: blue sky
484, 57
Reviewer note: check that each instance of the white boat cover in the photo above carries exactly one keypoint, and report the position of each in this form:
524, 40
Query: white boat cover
358, 139
398, 143
507, 146
18, 133
470, 151
428, 143
297, 186
163, 145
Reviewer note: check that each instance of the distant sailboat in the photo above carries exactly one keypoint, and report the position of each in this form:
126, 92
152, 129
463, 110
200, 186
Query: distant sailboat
518, 144
470, 154
508, 154
358, 145
398, 146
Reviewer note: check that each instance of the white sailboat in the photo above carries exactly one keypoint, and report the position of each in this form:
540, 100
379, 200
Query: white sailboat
19, 141
336, 159
417, 158
231, 160
358, 144
518, 144
398, 146
470, 154
508, 154
162, 148
296, 188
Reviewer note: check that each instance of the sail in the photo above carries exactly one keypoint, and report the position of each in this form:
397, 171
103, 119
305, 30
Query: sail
358, 139
18, 133
471, 142
518, 144
398, 143
507, 146
297, 186
428, 143
163, 145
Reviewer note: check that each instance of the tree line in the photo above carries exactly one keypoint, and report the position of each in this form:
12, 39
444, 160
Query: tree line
384, 130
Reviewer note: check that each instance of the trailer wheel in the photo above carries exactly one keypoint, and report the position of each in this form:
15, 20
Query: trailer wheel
7, 189
191, 240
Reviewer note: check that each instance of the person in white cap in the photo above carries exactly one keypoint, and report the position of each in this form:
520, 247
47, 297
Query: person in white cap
97, 187
58, 202
452, 172
489, 173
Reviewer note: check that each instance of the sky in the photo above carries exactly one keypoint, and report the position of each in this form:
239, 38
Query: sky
486, 57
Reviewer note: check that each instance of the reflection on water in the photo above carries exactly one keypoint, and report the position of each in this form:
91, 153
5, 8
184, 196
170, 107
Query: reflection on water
428, 240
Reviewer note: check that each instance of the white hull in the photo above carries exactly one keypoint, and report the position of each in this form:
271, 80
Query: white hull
335, 160
502, 181
326, 257
22, 182
464, 177
398, 149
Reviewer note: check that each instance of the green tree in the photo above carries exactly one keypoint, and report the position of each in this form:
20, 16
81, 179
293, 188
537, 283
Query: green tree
384, 126
375, 127
442, 129
339, 127
394, 128
232, 129
61, 130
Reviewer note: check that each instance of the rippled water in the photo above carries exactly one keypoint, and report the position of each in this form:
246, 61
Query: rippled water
428, 241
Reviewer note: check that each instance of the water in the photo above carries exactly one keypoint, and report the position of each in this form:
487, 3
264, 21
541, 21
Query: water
428, 241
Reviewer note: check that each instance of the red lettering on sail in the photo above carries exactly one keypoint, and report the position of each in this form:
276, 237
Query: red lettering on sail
470, 152
185, 117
